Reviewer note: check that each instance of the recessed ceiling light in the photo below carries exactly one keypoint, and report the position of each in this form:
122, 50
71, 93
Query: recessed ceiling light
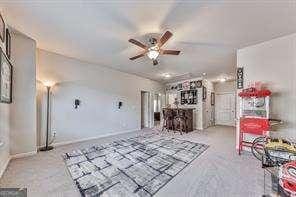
222, 79
166, 75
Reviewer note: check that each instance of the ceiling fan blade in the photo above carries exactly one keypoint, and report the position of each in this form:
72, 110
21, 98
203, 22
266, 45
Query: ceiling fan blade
164, 38
139, 44
170, 52
137, 56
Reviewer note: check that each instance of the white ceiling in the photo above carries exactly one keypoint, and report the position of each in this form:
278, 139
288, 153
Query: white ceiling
207, 32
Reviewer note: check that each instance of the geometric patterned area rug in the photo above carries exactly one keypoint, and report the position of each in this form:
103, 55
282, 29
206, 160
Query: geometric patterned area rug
133, 167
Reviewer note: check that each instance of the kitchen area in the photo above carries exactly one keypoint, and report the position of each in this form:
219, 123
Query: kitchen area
196, 98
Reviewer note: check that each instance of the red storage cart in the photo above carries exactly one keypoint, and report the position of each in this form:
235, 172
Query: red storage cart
253, 114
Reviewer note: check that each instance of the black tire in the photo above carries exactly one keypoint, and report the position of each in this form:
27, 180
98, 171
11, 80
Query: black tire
257, 147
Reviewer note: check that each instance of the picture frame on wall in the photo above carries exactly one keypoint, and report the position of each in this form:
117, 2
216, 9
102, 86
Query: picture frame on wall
8, 43
192, 85
240, 77
5, 79
2, 28
204, 93
186, 85
212, 98
180, 86
199, 84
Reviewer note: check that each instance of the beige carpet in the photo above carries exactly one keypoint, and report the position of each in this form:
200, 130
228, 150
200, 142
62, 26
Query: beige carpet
217, 172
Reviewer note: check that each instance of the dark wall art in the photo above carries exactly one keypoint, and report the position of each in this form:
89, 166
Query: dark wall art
212, 98
8, 43
204, 93
240, 77
187, 85
5, 79
199, 83
2, 29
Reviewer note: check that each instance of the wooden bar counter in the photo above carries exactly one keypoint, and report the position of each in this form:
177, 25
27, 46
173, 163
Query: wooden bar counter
185, 112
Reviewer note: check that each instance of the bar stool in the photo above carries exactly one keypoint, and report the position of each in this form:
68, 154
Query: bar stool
167, 120
180, 122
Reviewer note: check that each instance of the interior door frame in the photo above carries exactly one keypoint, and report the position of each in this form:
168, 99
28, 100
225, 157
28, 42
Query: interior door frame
151, 96
234, 107
148, 110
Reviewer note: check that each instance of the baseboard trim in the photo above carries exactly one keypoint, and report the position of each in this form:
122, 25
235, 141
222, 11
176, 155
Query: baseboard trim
92, 138
224, 125
2, 170
21, 155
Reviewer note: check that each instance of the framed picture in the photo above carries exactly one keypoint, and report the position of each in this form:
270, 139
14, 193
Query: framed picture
186, 85
180, 86
192, 85
204, 93
199, 83
8, 43
2, 28
240, 77
212, 98
5, 79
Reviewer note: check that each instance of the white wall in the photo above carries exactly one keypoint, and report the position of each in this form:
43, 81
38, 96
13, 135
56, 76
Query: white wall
18, 119
228, 86
23, 109
99, 89
274, 63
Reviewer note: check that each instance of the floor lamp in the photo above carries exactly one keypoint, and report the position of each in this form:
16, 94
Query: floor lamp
48, 85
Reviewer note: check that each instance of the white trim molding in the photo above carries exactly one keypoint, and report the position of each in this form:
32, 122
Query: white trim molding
22, 155
11, 157
92, 138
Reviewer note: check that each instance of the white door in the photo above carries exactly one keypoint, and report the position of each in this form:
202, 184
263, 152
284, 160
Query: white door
225, 109
145, 109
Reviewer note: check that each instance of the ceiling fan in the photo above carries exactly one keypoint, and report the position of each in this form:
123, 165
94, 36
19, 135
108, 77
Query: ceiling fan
154, 50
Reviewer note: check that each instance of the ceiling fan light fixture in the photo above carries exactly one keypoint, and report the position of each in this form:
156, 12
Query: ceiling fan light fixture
153, 52
153, 49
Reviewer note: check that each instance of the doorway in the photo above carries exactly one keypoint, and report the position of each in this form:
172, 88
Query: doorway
225, 109
145, 109
157, 109
208, 113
